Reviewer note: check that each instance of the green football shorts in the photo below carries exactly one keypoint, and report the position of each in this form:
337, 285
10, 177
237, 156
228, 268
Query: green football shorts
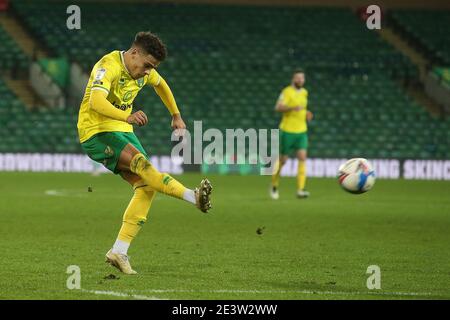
105, 147
291, 142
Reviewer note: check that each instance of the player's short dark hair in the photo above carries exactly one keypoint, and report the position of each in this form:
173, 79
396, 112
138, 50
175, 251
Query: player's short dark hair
298, 70
151, 44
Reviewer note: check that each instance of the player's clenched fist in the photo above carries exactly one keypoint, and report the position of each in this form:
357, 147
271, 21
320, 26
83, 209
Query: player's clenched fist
139, 118
178, 125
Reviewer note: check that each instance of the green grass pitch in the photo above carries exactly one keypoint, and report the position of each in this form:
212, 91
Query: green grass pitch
318, 248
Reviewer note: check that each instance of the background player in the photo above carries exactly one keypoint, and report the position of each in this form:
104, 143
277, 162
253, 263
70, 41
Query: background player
106, 134
293, 103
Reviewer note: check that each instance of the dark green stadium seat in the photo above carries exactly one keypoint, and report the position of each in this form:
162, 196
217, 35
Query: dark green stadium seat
227, 65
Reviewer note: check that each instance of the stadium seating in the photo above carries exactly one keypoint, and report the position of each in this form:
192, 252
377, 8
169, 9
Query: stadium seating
428, 30
218, 35
228, 64
35, 131
12, 57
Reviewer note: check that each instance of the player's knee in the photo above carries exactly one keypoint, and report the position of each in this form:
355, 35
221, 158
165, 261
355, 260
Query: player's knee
156, 180
148, 193
140, 163
144, 192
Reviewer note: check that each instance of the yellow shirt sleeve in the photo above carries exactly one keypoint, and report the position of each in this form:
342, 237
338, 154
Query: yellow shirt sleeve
163, 90
99, 104
104, 74
154, 78
284, 97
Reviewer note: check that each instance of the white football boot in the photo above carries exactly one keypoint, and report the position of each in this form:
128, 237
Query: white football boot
274, 193
203, 196
302, 194
120, 261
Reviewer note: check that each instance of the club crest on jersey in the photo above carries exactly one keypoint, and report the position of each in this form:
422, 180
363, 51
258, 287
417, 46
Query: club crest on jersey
109, 151
140, 82
127, 96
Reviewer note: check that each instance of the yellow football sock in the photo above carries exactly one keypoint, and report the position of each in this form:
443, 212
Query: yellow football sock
136, 213
301, 175
276, 174
161, 182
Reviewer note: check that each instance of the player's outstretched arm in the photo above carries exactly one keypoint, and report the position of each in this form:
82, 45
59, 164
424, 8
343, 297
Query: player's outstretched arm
166, 95
100, 104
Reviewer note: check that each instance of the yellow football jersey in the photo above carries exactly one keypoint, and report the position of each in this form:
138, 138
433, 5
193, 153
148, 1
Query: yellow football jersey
111, 75
294, 121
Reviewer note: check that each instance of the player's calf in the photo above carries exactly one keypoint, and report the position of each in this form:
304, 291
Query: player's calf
161, 182
164, 183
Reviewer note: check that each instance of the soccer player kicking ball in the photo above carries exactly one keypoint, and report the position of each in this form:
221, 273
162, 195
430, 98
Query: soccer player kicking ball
292, 103
105, 128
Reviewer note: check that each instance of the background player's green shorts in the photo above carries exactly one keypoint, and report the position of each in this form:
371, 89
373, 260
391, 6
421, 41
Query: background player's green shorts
105, 147
291, 142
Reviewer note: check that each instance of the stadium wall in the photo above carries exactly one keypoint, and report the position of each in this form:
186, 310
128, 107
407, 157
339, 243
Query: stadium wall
321, 168
65, 162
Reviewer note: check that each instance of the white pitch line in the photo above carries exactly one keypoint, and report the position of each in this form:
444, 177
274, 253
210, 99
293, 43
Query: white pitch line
121, 294
350, 293
54, 193
81, 194
65, 193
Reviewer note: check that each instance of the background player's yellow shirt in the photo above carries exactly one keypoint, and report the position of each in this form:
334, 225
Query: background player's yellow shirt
294, 121
110, 75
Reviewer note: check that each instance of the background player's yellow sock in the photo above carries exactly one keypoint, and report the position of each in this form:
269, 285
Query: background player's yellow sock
276, 174
161, 182
134, 217
301, 175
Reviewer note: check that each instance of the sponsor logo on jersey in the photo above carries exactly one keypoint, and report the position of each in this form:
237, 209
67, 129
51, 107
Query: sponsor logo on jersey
100, 74
122, 107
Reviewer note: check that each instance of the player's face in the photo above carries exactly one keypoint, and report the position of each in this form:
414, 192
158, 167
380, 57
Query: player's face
298, 80
142, 64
